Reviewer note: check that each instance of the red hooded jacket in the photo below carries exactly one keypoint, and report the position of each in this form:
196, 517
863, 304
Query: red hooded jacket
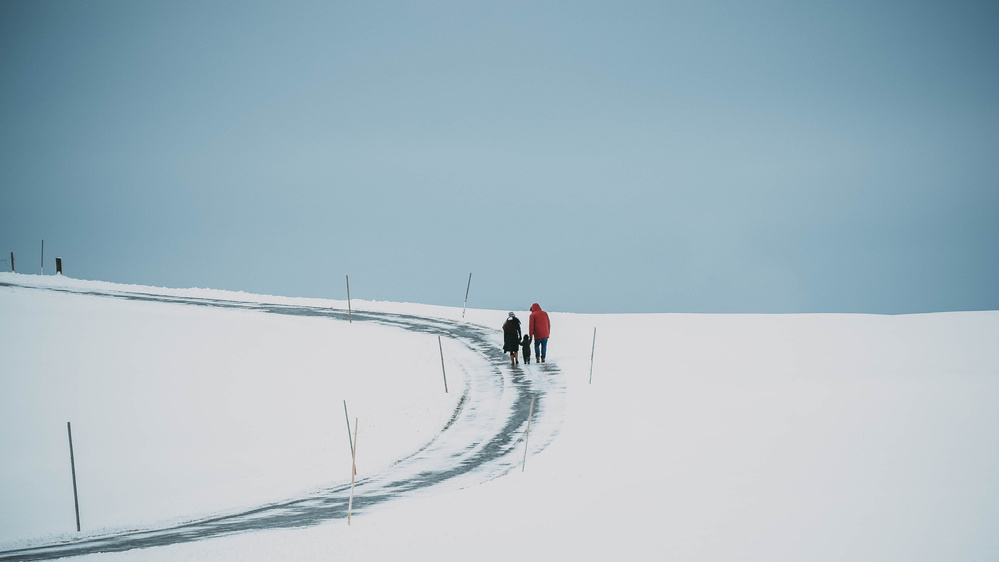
539, 325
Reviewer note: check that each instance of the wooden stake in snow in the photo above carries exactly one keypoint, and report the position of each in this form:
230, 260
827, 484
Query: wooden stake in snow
12, 262
349, 315
351, 439
466, 295
43, 257
353, 472
591, 353
527, 434
72, 465
442, 363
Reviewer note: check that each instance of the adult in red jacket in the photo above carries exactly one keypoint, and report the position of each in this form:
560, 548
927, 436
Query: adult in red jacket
539, 328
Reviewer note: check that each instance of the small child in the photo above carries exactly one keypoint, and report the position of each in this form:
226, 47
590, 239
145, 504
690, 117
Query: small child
525, 346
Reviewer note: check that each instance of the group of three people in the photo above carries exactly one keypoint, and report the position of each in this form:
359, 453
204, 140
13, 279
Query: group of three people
539, 327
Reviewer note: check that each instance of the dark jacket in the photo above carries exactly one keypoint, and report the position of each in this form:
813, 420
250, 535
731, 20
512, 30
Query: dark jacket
511, 335
539, 324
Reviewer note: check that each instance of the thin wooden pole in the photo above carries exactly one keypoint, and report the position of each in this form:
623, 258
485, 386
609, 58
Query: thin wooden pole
349, 314
353, 473
441, 346
72, 465
466, 295
43, 257
592, 351
347, 416
12, 262
527, 435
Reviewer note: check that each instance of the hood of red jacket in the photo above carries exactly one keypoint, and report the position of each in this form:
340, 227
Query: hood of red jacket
535, 307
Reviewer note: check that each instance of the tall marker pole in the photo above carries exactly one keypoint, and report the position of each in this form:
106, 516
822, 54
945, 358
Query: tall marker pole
353, 473
43, 257
72, 464
527, 434
591, 353
349, 314
12, 262
348, 430
442, 363
466, 295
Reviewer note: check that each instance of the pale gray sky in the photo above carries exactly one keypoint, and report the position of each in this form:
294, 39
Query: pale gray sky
590, 156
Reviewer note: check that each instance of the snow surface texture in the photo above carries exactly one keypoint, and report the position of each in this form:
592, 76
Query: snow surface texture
702, 437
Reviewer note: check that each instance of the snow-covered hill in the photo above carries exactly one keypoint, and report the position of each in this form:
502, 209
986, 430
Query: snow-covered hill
701, 437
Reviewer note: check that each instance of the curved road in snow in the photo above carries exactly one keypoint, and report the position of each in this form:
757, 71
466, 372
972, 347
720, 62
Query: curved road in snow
484, 438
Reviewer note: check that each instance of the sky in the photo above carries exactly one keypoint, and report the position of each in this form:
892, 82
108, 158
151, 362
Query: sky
590, 156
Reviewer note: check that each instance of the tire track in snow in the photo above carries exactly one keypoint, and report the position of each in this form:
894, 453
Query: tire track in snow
483, 440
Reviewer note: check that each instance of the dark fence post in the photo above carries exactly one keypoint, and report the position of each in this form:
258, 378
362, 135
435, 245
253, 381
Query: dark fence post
58, 266
592, 351
441, 346
72, 464
466, 295
349, 313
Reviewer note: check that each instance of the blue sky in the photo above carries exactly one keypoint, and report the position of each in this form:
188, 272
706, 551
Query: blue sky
593, 157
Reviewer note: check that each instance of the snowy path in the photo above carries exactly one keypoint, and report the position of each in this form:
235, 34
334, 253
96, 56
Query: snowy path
483, 439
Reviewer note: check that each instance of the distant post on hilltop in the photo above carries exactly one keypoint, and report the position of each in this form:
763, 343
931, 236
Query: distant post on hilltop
466, 295
43, 257
58, 266
349, 314
12, 262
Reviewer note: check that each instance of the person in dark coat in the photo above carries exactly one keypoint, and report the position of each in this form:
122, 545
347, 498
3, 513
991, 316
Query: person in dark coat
539, 328
525, 348
511, 337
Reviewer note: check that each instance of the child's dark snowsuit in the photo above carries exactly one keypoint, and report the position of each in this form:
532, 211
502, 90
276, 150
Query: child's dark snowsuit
525, 346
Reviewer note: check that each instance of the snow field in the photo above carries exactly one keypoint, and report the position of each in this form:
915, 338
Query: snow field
702, 437
182, 411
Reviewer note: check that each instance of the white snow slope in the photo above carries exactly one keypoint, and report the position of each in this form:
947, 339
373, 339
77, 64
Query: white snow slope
701, 437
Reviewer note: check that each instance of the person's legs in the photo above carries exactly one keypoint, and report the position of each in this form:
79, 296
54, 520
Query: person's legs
541, 353
537, 349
